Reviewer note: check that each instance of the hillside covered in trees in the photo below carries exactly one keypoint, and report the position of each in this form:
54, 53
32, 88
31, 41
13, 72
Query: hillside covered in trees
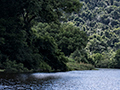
55, 35
100, 19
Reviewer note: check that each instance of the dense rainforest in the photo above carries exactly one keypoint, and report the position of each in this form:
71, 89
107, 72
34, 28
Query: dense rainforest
55, 35
100, 19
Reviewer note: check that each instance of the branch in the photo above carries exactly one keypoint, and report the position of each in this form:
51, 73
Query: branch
31, 18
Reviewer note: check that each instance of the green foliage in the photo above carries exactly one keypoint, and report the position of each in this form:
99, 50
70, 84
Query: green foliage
47, 11
34, 35
47, 47
13, 67
79, 66
67, 36
81, 56
96, 44
100, 20
105, 64
22, 48
104, 60
70, 38
97, 58
117, 59
44, 67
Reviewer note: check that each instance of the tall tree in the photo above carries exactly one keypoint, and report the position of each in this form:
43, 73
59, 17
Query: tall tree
71, 38
17, 41
67, 36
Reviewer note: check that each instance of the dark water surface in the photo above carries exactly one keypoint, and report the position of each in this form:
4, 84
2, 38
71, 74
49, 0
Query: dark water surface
102, 79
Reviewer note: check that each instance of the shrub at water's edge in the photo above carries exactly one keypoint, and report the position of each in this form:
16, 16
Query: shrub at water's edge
73, 65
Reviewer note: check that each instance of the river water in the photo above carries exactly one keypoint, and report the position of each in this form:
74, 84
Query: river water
102, 79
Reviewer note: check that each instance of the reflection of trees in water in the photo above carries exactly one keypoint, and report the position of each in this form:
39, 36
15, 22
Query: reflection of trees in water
24, 81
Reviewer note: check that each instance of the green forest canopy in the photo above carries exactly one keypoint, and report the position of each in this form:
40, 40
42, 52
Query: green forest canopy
22, 48
40, 35
100, 19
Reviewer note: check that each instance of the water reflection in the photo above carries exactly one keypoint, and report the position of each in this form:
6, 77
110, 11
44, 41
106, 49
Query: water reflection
25, 81
103, 79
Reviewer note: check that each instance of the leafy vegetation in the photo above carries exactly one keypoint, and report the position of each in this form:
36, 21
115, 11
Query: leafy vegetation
100, 20
23, 46
73, 65
117, 59
67, 36
37, 35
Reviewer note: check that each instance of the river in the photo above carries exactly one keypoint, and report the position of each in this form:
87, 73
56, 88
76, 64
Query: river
102, 79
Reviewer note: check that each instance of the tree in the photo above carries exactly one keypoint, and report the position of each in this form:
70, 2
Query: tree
17, 41
43, 10
96, 44
97, 58
81, 56
26, 11
67, 36
47, 48
71, 38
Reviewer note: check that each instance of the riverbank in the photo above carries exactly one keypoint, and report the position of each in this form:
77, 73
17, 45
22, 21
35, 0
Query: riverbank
74, 65
71, 65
